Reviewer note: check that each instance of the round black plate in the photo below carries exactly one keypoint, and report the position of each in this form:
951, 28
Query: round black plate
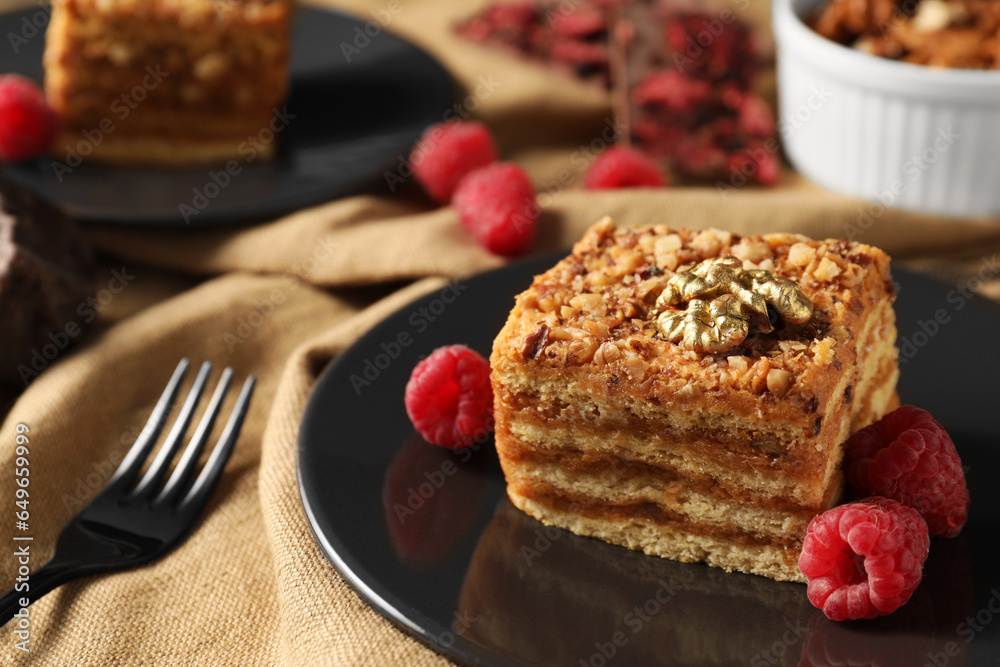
346, 123
427, 536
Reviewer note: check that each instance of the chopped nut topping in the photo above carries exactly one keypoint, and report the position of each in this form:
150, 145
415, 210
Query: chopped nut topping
827, 270
801, 254
535, 342
609, 326
666, 251
779, 382
739, 364
592, 304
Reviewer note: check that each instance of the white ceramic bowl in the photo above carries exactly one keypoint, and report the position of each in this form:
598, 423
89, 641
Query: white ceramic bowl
902, 135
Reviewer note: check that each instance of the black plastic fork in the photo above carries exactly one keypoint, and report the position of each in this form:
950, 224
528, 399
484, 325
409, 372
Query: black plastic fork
127, 523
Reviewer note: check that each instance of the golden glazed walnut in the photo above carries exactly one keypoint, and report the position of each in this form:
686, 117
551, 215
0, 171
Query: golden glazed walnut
962, 34
741, 299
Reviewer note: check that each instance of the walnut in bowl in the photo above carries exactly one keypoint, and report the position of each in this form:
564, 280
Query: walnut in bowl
893, 131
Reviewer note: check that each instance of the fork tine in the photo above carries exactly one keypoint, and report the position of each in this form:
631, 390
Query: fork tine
217, 461
188, 460
154, 474
136, 456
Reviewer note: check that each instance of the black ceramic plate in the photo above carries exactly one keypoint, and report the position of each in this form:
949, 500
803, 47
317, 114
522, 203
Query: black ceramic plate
427, 537
346, 123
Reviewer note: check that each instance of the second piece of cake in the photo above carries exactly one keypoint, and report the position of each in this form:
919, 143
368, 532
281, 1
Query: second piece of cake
608, 430
167, 82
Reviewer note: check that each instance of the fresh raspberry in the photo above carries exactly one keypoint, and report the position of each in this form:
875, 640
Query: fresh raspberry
620, 167
449, 398
496, 204
909, 457
27, 124
864, 559
449, 151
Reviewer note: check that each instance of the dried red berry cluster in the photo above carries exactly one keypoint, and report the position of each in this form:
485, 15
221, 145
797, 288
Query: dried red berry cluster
699, 111
573, 36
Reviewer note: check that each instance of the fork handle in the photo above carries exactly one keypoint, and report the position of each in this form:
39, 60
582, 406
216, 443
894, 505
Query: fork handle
40, 582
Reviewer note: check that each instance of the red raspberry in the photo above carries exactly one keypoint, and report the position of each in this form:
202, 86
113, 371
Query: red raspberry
620, 167
27, 124
909, 457
864, 559
449, 398
496, 204
449, 151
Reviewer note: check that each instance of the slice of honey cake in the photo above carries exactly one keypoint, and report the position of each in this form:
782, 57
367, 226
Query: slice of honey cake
688, 393
167, 82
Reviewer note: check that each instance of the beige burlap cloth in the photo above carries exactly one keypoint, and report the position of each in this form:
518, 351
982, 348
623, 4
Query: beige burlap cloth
280, 300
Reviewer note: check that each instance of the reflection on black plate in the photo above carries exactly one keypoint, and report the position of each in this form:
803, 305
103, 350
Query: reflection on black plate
428, 538
347, 123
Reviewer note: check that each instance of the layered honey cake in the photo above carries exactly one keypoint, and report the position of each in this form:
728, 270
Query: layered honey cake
688, 393
169, 82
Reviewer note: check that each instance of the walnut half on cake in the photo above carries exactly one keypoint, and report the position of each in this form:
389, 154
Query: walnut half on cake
167, 82
607, 429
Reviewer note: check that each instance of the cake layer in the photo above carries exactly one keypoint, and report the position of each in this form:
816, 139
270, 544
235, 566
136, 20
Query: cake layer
637, 529
527, 456
626, 484
160, 150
